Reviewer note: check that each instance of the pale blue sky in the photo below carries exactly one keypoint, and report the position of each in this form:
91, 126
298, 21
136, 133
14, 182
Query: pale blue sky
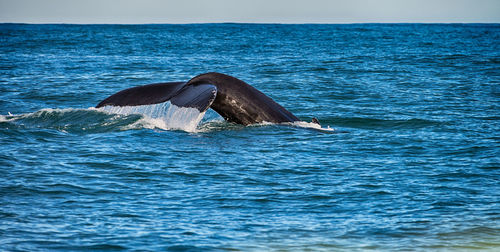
252, 11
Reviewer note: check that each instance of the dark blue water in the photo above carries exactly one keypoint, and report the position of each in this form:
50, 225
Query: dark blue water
413, 163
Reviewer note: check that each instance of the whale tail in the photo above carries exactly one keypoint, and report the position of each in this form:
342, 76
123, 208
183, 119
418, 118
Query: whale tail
235, 100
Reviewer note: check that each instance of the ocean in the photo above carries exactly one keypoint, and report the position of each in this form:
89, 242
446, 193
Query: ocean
407, 159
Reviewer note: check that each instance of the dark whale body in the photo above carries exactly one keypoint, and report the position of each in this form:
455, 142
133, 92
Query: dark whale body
235, 100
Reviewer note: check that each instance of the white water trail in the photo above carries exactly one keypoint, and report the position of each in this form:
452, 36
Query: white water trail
165, 116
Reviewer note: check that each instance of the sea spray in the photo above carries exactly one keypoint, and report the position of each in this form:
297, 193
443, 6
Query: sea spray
163, 115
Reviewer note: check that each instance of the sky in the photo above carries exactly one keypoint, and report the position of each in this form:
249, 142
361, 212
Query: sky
249, 11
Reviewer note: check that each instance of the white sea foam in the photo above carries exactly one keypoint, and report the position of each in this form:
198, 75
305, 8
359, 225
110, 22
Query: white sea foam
163, 116
311, 125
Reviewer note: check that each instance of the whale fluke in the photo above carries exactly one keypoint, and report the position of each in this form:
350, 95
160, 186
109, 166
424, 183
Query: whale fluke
235, 100
143, 95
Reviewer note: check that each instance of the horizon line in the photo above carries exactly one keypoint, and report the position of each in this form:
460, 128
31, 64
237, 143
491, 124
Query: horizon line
256, 23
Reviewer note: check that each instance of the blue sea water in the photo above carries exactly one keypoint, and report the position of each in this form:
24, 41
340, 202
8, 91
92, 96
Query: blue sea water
412, 164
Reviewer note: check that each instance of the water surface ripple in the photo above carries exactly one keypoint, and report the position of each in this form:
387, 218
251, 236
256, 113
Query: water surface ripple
413, 163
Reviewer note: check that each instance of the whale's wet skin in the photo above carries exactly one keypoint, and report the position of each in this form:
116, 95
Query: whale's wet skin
197, 165
232, 98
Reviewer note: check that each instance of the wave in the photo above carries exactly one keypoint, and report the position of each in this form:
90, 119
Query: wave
92, 120
69, 120
164, 116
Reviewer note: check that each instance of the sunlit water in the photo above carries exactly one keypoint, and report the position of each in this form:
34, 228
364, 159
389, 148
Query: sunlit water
407, 157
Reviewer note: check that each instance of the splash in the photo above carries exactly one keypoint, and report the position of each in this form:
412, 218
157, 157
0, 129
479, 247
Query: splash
163, 116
